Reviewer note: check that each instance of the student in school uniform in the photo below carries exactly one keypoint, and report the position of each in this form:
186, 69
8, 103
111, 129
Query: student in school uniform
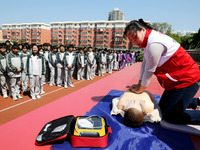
133, 56
122, 60
3, 73
35, 70
90, 62
69, 65
110, 59
103, 62
14, 69
94, 66
85, 68
43, 80
47, 50
97, 57
60, 65
115, 62
20, 48
52, 65
24, 77
128, 57
80, 64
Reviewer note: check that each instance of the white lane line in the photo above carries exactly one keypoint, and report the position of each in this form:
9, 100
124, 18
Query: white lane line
34, 100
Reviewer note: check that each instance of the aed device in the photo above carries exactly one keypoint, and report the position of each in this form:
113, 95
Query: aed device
92, 126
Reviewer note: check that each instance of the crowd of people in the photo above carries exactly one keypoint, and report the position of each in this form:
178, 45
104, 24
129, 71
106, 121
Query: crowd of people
37, 65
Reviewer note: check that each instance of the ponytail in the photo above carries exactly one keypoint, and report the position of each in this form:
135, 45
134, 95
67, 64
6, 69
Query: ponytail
136, 25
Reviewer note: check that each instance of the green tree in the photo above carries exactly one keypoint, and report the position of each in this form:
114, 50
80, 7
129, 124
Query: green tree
22, 41
186, 42
196, 40
162, 27
176, 37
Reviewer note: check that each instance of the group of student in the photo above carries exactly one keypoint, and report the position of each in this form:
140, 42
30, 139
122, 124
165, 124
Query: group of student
37, 65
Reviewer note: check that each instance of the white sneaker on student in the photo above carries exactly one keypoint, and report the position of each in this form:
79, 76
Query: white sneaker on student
5, 96
42, 92
71, 85
14, 98
50, 84
65, 86
58, 85
19, 96
38, 96
33, 98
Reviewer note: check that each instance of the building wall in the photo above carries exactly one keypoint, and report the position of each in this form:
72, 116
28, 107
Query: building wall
38, 33
115, 14
100, 34
1, 34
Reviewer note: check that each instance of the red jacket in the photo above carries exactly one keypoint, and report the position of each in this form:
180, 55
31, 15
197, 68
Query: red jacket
176, 68
178, 72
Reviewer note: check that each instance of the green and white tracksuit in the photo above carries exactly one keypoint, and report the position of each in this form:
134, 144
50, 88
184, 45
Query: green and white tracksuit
90, 62
80, 66
14, 62
24, 77
52, 66
3, 78
60, 67
110, 58
69, 60
35, 70
103, 61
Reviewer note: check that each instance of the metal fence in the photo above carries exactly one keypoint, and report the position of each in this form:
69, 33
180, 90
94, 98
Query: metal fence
195, 54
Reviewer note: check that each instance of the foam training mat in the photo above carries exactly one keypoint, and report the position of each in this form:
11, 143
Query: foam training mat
191, 129
149, 136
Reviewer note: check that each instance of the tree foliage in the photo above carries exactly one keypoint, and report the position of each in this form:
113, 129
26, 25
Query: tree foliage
162, 27
195, 43
187, 42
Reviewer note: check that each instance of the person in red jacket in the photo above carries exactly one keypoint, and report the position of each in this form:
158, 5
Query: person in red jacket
174, 68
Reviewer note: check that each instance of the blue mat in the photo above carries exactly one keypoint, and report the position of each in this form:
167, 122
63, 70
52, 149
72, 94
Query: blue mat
149, 136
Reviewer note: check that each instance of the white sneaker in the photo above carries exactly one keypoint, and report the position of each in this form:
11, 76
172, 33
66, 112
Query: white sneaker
5, 96
51, 84
42, 92
58, 85
14, 98
19, 96
71, 85
38, 96
33, 98
65, 86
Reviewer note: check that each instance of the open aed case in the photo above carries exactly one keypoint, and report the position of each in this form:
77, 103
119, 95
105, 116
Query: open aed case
81, 131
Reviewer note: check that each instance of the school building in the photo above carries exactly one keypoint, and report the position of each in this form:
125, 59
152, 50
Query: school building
99, 34
27, 32
1, 35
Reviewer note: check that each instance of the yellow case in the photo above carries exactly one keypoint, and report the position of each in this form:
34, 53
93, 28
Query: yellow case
101, 131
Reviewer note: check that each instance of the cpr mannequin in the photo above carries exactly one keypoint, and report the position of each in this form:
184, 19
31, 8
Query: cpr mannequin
136, 108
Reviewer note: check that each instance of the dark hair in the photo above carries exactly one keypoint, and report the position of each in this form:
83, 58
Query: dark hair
70, 46
25, 46
2, 45
81, 48
15, 46
62, 46
133, 118
7, 41
136, 25
45, 44
89, 47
